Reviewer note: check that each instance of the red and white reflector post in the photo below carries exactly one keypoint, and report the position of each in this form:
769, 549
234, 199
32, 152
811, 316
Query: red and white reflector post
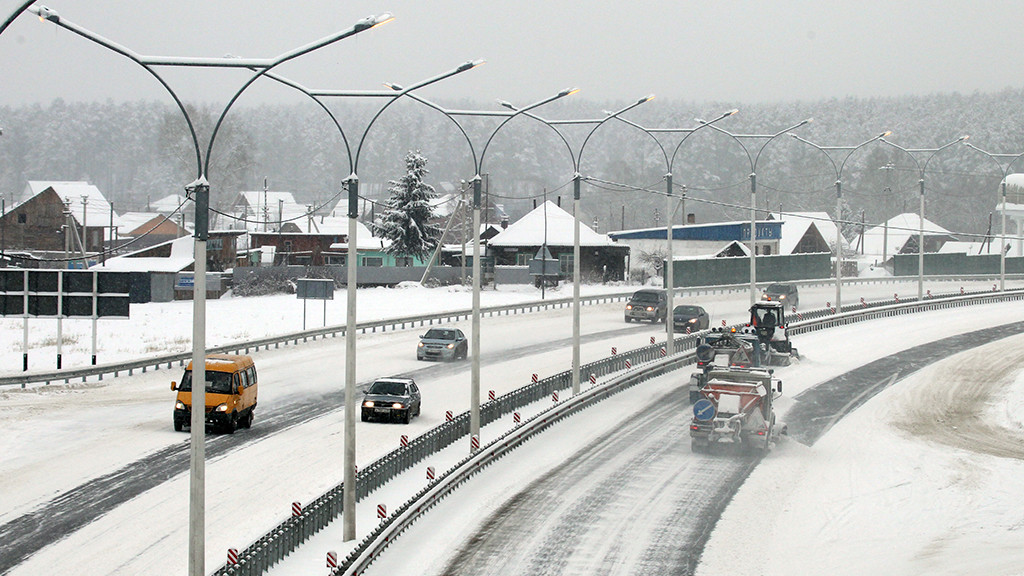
232, 556
863, 303
614, 350
652, 339
628, 363
896, 297
533, 378
474, 443
723, 323
382, 511
663, 351
296, 509
448, 415
593, 379
332, 559
490, 394
554, 396
516, 418
404, 441
430, 472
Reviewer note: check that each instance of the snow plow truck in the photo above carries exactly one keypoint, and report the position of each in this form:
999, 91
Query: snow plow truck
736, 410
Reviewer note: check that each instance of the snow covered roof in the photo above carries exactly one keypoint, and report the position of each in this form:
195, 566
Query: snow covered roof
182, 256
530, 230
96, 208
131, 220
896, 231
169, 204
272, 207
796, 225
365, 240
444, 204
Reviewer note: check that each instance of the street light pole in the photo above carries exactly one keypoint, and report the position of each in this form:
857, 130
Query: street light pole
838, 170
931, 153
201, 189
577, 159
669, 214
766, 140
1005, 169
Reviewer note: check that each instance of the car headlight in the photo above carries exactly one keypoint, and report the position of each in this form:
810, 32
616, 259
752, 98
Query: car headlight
368, 404
450, 346
692, 320
179, 405
650, 308
398, 405
222, 408
782, 296
421, 344
629, 306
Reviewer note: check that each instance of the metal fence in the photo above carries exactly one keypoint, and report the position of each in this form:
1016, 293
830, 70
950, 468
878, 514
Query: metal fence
286, 536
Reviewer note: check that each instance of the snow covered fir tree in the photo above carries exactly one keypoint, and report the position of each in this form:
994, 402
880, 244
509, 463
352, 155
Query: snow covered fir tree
408, 213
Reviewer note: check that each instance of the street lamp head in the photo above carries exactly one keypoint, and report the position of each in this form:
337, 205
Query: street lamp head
963, 138
470, 64
884, 134
45, 13
808, 121
645, 99
568, 92
507, 104
393, 86
371, 21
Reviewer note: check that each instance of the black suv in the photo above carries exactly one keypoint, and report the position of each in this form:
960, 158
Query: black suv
647, 304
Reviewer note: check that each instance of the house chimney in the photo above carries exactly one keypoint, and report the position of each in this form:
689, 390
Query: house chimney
504, 223
691, 218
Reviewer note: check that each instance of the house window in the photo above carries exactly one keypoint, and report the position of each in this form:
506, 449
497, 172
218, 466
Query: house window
404, 261
565, 264
22, 218
523, 259
288, 246
334, 260
303, 260
374, 261
215, 244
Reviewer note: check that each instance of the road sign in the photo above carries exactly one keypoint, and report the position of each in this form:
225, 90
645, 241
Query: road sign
703, 410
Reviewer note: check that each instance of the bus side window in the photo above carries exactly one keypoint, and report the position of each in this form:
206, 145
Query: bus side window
252, 374
244, 375
237, 379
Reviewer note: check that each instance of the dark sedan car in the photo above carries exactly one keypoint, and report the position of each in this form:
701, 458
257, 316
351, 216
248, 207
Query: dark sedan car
787, 294
692, 317
442, 344
391, 399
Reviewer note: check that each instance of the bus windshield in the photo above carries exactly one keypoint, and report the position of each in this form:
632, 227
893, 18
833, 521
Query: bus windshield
216, 382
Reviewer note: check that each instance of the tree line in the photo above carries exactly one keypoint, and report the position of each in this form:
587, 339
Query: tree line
137, 152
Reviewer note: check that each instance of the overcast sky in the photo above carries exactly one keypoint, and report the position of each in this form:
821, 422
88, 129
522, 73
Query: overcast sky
696, 50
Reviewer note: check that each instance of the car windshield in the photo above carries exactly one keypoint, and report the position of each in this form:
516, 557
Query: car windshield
687, 311
440, 334
387, 387
217, 382
645, 297
778, 289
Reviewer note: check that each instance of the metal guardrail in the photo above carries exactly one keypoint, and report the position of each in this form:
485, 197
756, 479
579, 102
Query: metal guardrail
244, 347
286, 536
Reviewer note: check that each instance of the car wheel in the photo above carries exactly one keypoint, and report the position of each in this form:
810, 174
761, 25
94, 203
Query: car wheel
364, 418
247, 421
177, 426
232, 424
407, 417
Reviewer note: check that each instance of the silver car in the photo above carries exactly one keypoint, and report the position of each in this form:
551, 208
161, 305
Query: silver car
442, 344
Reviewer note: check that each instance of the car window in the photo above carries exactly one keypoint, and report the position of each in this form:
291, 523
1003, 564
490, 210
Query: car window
689, 310
440, 334
645, 297
387, 387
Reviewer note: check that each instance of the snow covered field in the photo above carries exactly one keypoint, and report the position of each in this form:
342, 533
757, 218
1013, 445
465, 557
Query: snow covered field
831, 500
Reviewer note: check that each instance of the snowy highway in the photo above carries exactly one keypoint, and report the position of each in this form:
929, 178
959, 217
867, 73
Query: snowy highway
103, 457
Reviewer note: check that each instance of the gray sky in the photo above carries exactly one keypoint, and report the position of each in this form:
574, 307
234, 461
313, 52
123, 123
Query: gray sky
700, 50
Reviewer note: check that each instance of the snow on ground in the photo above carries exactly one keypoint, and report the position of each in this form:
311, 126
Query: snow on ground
923, 479
58, 436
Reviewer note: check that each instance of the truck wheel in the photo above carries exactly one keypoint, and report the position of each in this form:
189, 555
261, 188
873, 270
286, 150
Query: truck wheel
232, 424
247, 421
